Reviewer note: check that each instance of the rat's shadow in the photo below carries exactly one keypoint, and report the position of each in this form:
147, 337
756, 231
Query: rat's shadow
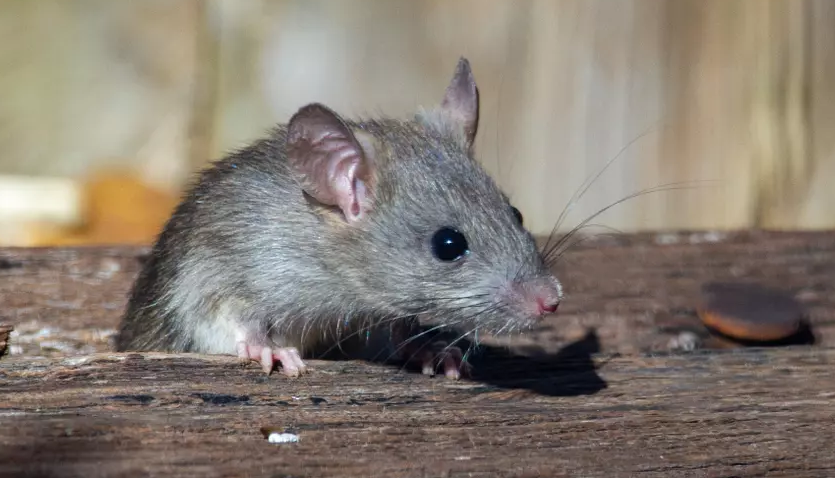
569, 372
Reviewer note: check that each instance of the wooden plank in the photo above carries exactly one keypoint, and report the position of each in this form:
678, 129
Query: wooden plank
637, 292
581, 397
741, 413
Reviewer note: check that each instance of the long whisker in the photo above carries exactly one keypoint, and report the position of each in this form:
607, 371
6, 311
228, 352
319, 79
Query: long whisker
460, 338
461, 298
415, 337
462, 320
585, 185
613, 230
423, 310
554, 260
474, 344
360, 330
557, 250
495, 307
411, 339
662, 188
491, 308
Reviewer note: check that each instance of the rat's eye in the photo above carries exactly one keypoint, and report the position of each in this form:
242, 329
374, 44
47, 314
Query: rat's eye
449, 245
518, 215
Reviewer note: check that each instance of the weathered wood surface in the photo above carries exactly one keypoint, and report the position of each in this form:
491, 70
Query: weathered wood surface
636, 291
733, 413
556, 403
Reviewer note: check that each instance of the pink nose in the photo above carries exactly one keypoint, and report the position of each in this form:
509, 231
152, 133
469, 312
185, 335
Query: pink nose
546, 306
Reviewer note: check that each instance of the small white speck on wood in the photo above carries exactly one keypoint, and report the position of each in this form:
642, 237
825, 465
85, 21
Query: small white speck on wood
283, 438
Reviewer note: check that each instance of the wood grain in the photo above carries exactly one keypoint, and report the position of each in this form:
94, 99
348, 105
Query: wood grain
746, 413
594, 393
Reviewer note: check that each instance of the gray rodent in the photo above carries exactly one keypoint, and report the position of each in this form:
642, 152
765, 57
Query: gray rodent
329, 229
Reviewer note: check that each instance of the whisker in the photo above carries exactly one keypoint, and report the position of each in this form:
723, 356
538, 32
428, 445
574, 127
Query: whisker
461, 320
554, 260
614, 232
415, 337
489, 309
372, 324
461, 298
662, 188
462, 336
452, 344
585, 185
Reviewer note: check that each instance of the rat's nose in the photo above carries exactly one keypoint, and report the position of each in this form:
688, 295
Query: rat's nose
547, 305
537, 297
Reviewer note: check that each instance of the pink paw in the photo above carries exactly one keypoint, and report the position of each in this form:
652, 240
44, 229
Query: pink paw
291, 362
429, 356
439, 355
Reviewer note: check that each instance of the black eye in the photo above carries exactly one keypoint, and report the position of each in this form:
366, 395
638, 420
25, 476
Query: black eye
449, 245
518, 215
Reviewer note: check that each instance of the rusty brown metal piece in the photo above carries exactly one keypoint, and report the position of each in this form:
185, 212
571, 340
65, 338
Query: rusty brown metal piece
749, 311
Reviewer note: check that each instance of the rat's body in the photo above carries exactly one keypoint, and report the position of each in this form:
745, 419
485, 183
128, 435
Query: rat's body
329, 226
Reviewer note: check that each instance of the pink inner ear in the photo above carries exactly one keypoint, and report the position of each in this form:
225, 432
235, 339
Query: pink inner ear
348, 190
359, 197
330, 162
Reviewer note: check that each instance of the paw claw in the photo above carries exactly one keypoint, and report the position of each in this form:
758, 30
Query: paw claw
450, 359
267, 362
291, 362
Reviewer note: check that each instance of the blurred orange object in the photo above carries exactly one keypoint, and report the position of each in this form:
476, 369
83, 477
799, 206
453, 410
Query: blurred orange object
118, 208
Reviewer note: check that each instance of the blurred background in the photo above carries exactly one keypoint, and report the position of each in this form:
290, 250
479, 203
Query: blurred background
108, 106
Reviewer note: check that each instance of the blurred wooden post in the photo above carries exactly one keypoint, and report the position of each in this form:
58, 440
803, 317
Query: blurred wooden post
779, 42
736, 91
819, 207
204, 106
738, 96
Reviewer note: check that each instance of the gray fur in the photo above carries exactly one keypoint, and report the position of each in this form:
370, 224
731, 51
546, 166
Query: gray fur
247, 248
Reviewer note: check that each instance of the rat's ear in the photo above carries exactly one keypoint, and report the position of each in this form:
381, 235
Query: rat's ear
333, 164
460, 103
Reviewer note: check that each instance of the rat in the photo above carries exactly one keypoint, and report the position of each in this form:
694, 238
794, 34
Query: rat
330, 228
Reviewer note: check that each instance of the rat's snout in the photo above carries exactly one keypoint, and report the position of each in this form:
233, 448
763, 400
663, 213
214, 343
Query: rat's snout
547, 306
538, 297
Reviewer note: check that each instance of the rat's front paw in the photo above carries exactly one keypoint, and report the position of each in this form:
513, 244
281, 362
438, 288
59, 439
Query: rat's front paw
439, 355
292, 364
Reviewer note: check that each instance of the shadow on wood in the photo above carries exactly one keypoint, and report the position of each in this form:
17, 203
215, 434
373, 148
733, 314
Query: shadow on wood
53, 447
566, 373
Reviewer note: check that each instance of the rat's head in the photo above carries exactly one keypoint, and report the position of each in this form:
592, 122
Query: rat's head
421, 228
